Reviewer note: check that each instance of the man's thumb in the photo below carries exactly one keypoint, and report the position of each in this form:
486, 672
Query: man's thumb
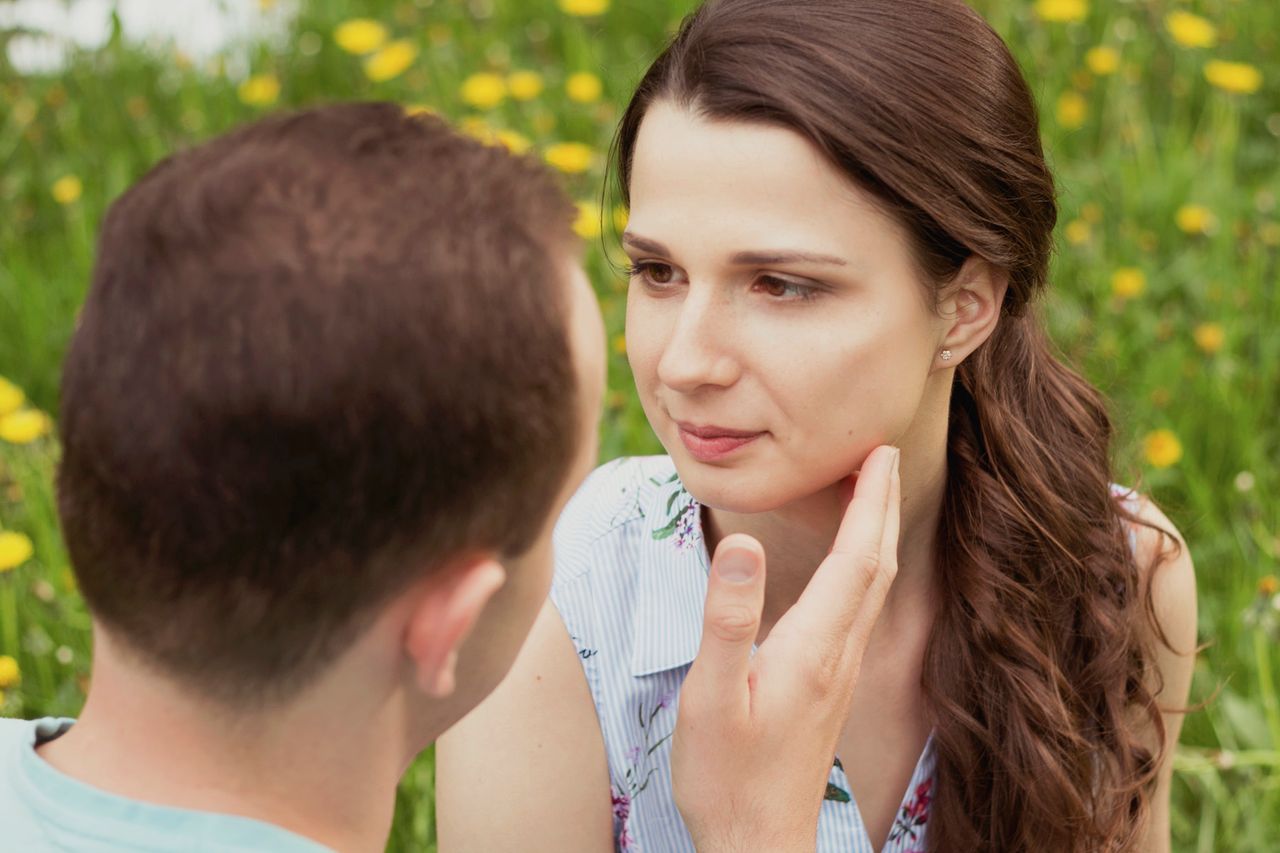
731, 618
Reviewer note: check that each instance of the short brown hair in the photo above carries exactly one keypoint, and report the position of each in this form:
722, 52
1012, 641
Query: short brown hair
319, 354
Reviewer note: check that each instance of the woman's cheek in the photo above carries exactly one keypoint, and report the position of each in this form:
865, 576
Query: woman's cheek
639, 343
643, 359
846, 412
643, 354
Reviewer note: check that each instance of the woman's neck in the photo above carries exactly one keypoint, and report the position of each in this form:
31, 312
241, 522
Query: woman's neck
798, 536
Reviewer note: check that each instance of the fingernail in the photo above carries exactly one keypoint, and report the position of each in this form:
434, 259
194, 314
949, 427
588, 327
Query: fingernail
738, 566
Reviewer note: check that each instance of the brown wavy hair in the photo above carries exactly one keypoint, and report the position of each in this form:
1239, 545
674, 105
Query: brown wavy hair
1038, 672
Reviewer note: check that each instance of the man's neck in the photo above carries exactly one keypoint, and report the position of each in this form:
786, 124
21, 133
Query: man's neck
324, 767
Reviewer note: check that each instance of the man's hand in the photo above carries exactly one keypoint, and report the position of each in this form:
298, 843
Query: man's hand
756, 735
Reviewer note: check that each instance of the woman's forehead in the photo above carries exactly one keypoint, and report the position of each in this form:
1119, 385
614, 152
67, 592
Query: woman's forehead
744, 186
679, 150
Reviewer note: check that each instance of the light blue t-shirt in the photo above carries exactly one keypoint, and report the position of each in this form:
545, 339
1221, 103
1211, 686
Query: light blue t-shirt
43, 809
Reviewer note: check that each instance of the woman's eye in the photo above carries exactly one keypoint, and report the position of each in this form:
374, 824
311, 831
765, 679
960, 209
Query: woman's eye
654, 272
660, 273
779, 288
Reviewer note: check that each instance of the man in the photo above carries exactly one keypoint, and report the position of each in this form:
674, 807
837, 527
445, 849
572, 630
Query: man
336, 374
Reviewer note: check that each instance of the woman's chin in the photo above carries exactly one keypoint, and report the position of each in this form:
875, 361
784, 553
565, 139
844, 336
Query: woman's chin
741, 492
752, 489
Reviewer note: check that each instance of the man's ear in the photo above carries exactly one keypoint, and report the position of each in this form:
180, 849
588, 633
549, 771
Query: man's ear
970, 308
445, 613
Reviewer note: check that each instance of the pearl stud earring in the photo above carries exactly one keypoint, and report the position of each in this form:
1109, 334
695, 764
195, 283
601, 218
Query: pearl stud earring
946, 355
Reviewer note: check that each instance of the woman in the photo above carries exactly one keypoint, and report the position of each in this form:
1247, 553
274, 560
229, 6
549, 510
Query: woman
840, 217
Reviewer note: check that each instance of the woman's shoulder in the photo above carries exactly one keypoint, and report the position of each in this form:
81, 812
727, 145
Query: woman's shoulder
1164, 565
1155, 539
609, 507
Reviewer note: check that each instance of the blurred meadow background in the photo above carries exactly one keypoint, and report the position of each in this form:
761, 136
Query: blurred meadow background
1162, 120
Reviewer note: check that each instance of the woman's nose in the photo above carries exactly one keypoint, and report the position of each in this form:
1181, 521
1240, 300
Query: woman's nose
699, 351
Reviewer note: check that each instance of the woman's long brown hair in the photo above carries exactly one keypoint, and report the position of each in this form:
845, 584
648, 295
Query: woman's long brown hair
1038, 672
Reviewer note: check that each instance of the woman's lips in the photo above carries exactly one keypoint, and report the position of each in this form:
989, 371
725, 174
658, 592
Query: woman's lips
712, 443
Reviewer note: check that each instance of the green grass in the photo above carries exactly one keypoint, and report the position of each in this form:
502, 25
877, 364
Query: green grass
1155, 136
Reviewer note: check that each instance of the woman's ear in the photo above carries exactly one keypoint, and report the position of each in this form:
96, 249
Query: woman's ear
444, 615
970, 309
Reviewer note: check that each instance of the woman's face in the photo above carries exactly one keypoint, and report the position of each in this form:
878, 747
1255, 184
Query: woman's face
776, 325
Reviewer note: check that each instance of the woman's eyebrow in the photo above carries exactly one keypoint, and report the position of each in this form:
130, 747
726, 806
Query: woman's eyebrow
758, 258
644, 244
782, 256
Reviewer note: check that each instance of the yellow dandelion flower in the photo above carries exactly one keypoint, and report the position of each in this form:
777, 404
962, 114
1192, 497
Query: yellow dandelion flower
390, 61
260, 90
570, 157
1128, 282
1078, 232
1268, 586
15, 549
1237, 77
1194, 219
11, 397
67, 189
620, 344
1091, 212
484, 91
24, 427
1072, 110
1209, 337
1190, 30
587, 224
620, 217
1061, 11
583, 87
1102, 60
360, 35
516, 143
420, 110
478, 128
584, 8
10, 674
1162, 448
524, 85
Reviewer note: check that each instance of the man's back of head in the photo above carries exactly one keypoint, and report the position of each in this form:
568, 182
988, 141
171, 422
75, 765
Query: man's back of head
335, 373
317, 353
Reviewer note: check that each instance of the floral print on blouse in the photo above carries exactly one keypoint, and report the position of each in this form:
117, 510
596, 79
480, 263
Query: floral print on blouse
630, 582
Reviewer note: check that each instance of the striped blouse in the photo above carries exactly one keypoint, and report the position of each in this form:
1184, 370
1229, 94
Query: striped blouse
630, 582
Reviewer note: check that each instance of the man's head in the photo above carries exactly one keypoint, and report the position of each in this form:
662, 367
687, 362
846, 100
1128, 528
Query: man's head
328, 360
